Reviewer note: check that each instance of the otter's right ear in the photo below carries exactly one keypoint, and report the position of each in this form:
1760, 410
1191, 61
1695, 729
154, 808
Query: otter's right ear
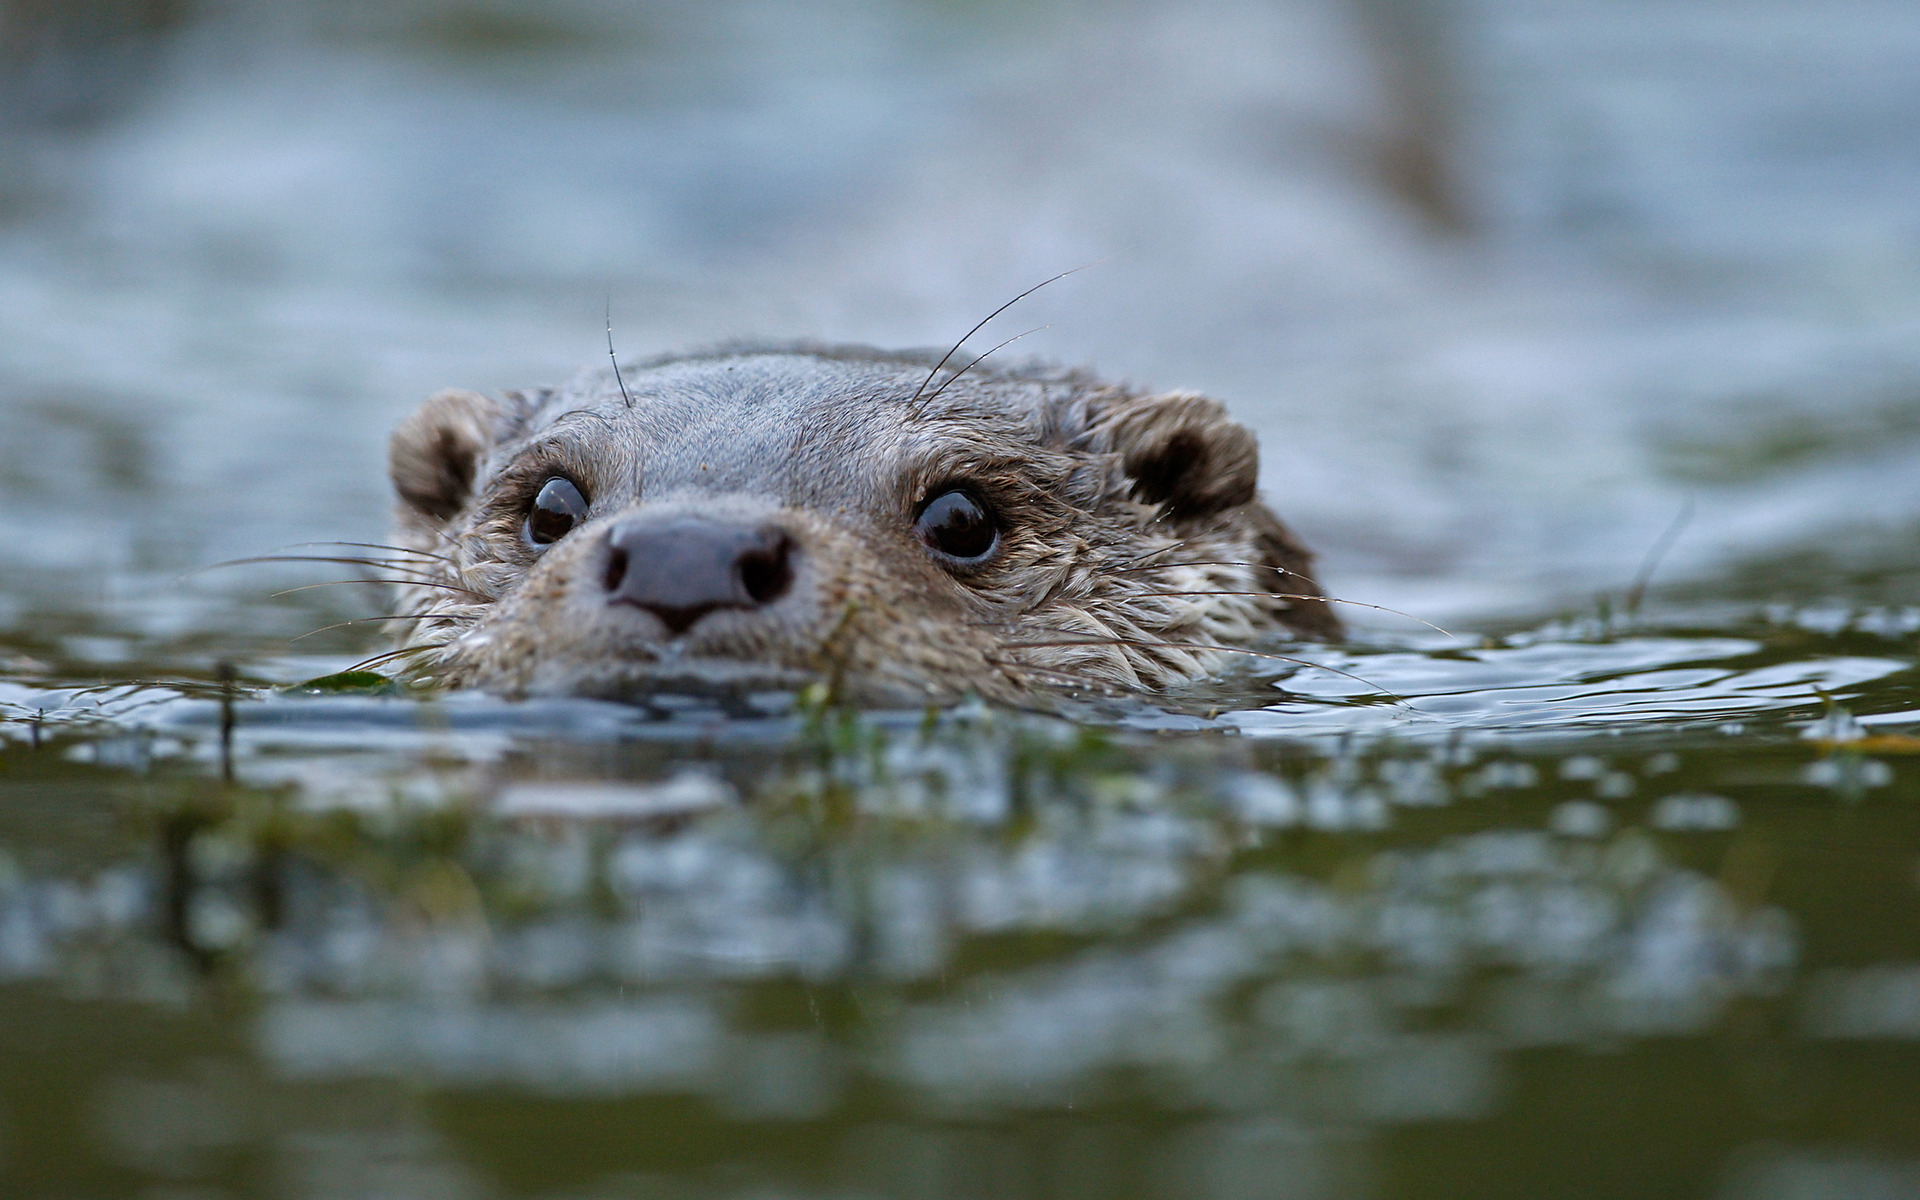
435, 455
1183, 451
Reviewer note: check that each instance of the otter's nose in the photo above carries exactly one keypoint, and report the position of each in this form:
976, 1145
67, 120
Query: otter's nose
683, 568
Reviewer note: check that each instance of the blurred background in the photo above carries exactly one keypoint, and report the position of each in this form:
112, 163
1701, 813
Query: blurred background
1505, 286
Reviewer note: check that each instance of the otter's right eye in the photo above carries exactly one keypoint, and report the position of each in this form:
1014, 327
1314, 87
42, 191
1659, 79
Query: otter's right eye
958, 526
556, 510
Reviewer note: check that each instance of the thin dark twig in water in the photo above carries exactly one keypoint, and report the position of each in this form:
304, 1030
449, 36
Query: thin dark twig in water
1651, 563
976, 362
838, 656
617, 377
955, 348
227, 677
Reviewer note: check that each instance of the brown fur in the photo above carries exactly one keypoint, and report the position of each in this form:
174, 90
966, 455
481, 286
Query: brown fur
1133, 547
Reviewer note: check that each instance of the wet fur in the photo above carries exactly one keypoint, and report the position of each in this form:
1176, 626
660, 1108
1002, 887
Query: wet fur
1135, 553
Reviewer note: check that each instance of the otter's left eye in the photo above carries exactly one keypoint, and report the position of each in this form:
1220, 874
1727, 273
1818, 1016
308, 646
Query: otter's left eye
556, 510
958, 526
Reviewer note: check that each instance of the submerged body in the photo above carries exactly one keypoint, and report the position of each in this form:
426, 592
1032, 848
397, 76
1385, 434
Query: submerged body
773, 517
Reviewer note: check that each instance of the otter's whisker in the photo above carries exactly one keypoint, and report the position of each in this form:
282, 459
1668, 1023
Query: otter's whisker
450, 587
624, 395
134, 686
1303, 596
377, 659
581, 412
367, 620
1169, 548
378, 564
371, 546
1205, 562
955, 349
976, 362
1058, 585
1079, 678
1151, 645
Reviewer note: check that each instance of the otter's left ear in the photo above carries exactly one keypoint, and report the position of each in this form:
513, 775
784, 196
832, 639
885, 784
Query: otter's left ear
1182, 450
435, 455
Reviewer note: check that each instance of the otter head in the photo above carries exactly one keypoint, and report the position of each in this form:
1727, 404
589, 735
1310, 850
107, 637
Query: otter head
768, 518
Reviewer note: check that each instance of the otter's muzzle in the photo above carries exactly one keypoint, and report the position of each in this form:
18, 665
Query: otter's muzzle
682, 568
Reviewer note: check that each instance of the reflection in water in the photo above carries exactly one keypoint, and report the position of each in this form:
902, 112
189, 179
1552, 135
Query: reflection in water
1282, 956
1815, 1173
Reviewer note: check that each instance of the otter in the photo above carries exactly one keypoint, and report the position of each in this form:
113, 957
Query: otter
769, 517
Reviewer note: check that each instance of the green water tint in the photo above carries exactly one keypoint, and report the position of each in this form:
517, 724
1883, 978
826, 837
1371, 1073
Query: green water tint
1627, 916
